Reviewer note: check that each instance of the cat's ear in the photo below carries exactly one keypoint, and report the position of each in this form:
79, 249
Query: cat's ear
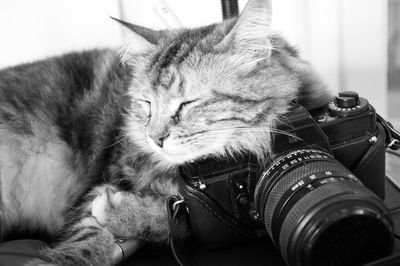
252, 30
152, 36
137, 40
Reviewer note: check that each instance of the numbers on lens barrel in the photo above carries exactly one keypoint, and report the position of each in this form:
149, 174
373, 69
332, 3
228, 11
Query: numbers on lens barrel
297, 185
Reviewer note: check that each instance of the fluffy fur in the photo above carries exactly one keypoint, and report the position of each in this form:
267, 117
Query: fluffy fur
90, 142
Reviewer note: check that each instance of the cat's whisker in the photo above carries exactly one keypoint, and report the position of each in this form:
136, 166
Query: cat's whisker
255, 129
280, 121
281, 132
119, 140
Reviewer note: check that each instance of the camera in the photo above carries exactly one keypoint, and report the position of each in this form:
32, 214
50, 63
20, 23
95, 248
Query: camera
319, 197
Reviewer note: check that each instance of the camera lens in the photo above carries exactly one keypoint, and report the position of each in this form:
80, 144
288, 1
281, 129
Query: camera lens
318, 213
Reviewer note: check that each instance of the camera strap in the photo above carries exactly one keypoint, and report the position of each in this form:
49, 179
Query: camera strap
392, 135
179, 238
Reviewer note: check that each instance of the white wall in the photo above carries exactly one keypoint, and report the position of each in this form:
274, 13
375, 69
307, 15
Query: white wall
162, 14
30, 30
364, 50
345, 40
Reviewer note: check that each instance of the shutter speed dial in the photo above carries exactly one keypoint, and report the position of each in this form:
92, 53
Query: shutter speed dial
347, 103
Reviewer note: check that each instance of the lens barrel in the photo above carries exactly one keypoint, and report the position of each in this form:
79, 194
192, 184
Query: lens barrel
318, 213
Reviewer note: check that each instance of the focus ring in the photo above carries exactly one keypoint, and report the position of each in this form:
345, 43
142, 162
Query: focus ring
289, 180
280, 167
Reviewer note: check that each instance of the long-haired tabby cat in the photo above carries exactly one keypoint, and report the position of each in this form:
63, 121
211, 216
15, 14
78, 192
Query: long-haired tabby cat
90, 141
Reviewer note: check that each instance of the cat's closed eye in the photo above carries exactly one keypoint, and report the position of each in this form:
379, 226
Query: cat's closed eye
146, 106
177, 116
183, 104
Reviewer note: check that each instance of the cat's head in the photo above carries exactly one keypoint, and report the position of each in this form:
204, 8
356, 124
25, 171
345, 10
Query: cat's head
214, 90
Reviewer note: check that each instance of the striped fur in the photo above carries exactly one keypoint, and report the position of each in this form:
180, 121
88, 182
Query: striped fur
90, 142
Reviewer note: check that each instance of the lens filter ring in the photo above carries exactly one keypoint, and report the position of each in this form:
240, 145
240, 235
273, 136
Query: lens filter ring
346, 228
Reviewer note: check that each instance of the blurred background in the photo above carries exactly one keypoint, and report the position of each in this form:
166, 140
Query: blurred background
353, 44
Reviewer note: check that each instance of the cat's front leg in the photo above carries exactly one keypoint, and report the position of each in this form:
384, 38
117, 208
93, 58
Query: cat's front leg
87, 243
127, 215
109, 216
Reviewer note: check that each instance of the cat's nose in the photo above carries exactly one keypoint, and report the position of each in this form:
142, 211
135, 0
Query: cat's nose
159, 139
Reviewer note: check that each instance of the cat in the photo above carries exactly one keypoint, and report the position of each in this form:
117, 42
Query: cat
90, 142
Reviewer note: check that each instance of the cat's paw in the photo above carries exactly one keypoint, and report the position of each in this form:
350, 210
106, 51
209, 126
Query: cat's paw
38, 262
116, 211
107, 197
126, 215
90, 221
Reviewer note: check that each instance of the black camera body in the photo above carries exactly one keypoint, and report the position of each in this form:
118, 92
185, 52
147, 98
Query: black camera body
327, 163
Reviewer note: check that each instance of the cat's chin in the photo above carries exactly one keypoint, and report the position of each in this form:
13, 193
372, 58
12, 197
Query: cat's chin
174, 160
172, 156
